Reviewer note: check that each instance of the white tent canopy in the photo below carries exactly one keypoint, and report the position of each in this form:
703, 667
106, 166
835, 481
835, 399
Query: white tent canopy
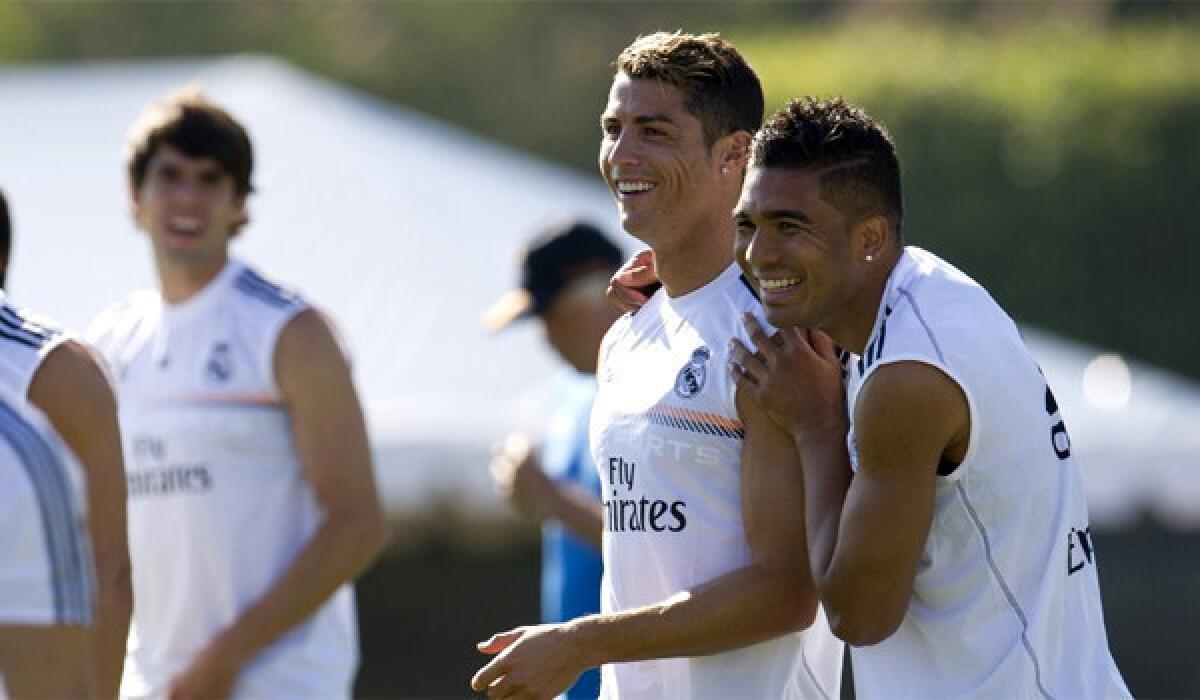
404, 230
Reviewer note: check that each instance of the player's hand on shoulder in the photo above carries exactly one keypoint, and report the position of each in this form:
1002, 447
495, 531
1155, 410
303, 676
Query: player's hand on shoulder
795, 375
537, 662
633, 285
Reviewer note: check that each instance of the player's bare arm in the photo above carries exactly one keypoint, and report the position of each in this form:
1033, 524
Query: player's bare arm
772, 596
865, 532
72, 390
47, 662
518, 475
331, 441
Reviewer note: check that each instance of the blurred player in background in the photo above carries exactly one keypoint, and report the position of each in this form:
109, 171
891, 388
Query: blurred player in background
46, 641
564, 272
252, 502
947, 526
706, 588
61, 377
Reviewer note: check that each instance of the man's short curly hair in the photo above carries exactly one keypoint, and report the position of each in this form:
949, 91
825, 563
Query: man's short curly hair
853, 155
719, 86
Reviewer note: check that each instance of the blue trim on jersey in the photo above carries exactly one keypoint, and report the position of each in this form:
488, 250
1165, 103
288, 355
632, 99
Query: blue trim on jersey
262, 282
246, 285
70, 574
20, 339
20, 329
749, 286
882, 335
15, 319
253, 275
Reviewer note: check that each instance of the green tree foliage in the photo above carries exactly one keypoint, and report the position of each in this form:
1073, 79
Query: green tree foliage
1059, 166
1054, 157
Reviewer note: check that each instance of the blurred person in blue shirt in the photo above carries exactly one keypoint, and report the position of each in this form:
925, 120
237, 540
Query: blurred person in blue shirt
564, 274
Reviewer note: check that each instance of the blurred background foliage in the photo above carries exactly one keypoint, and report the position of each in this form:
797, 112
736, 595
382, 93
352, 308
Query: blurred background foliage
1057, 166
1051, 150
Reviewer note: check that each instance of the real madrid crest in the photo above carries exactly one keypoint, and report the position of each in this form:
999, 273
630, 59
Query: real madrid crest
690, 379
220, 366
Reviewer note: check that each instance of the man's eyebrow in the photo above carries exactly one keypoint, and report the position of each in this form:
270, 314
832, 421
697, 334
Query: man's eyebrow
641, 119
651, 118
796, 214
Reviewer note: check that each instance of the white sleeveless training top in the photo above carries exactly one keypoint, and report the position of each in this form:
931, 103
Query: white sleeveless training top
45, 559
218, 503
667, 442
1006, 602
25, 340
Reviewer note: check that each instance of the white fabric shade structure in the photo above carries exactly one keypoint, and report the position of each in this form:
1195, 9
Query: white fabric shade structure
404, 230
1135, 432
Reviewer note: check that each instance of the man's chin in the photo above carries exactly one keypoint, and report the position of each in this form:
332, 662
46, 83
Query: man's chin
637, 226
783, 317
185, 255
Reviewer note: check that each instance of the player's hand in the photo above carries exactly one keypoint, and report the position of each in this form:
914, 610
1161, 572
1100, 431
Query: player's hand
532, 663
518, 476
795, 375
635, 282
210, 675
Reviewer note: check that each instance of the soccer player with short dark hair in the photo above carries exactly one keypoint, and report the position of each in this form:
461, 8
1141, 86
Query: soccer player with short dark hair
706, 592
252, 502
946, 521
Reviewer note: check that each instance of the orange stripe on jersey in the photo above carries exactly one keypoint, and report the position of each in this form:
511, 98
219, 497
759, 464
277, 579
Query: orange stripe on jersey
695, 421
227, 398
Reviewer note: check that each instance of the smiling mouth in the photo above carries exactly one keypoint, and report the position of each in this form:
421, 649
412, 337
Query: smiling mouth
188, 226
779, 284
631, 187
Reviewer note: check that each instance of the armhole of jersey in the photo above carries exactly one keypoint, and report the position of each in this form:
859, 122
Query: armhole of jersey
972, 413
267, 362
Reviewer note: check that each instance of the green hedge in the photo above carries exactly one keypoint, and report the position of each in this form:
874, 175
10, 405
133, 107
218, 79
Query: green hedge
1059, 166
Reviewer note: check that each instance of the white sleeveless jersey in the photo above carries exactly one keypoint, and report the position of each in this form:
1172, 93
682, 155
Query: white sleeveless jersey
25, 340
45, 559
667, 442
1006, 603
219, 505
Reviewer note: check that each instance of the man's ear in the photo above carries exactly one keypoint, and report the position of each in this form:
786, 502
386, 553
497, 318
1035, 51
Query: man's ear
735, 151
242, 219
135, 208
873, 237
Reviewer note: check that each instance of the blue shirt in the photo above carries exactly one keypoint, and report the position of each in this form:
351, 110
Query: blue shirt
571, 567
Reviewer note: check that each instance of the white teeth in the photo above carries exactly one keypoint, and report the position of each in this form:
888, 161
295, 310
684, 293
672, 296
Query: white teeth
185, 222
628, 187
776, 284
